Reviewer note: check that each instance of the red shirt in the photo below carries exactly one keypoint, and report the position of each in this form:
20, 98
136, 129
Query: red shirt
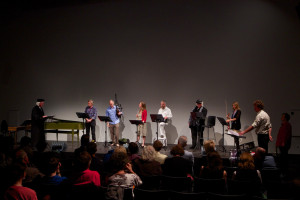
88, 176
144, 116
284, 136
20, 192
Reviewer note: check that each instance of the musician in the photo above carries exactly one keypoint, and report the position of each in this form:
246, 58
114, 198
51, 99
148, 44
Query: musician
113, 112
196, 125
37, 125
142, 128
283, 142
90, 123
167, 114
262, 125
235, 118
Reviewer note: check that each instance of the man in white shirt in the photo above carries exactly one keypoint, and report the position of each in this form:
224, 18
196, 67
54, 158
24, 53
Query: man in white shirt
167, 114
262, 125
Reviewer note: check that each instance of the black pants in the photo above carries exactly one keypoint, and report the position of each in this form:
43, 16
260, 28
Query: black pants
91, 126
263, 141
38, 139
194, 131
284, 162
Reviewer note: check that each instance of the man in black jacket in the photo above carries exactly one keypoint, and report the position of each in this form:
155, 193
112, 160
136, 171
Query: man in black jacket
37, 125
196, 123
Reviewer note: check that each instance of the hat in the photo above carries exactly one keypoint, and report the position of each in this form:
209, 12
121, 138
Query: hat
40, 100
199, 101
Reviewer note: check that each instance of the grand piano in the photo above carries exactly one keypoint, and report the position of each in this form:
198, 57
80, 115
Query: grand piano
54, 125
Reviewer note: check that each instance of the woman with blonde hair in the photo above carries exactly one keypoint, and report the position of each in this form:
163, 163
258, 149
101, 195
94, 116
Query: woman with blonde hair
147, 165
142, 128
235, 118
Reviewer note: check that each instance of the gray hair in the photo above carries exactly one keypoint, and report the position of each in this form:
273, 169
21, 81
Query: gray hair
91, 100
149, 153
182, 140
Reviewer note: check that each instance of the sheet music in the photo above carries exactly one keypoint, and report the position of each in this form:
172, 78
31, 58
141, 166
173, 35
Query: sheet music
233, 132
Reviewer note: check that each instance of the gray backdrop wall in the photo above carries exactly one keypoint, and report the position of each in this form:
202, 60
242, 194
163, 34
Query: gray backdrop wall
218, 51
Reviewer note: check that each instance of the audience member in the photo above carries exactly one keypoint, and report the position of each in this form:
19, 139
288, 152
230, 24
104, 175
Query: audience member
123, 176
182, 141
209, 146
16, 190
32, 172
159, 157
6, 151
96, 163
246, 169
214, 168
262, 160
50, 167
85, 139
83, 174
26, 145
133, 151
147, 166
177, 166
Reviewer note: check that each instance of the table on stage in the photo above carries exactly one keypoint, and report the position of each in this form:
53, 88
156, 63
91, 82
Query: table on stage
65, 127
16, 129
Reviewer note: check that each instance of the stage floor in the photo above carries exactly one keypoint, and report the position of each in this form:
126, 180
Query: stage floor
101, 149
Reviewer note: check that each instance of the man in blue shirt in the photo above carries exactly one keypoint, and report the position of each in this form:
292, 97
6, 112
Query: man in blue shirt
91, 121
114, 114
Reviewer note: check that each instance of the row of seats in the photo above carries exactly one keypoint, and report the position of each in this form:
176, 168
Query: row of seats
89, 191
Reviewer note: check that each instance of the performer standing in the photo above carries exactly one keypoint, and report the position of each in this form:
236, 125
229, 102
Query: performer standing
262, 125
91, 121
283, 142
167, 114
196, 125
142, 128
235, 118
113, 112
37, 125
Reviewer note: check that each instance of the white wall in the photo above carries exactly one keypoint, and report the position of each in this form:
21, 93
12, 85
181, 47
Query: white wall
151, 50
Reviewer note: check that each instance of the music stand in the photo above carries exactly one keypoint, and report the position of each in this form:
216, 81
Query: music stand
157, 118
223, 123
236, 137
105, 119
83, 116
137, 123
197, 116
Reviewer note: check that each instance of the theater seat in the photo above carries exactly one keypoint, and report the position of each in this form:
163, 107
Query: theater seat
141, 194
150, 182
179, 184
187, 196
209, 185
213, 196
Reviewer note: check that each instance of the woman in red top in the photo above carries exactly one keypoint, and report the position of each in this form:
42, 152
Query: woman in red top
283, 142
142, 128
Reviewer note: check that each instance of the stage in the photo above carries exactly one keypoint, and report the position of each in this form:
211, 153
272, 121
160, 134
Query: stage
102, 150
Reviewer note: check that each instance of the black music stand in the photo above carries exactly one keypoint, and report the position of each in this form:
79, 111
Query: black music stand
137, 123
105, 119
157, 118
223, 123
237, 142
83, 116
197, 116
